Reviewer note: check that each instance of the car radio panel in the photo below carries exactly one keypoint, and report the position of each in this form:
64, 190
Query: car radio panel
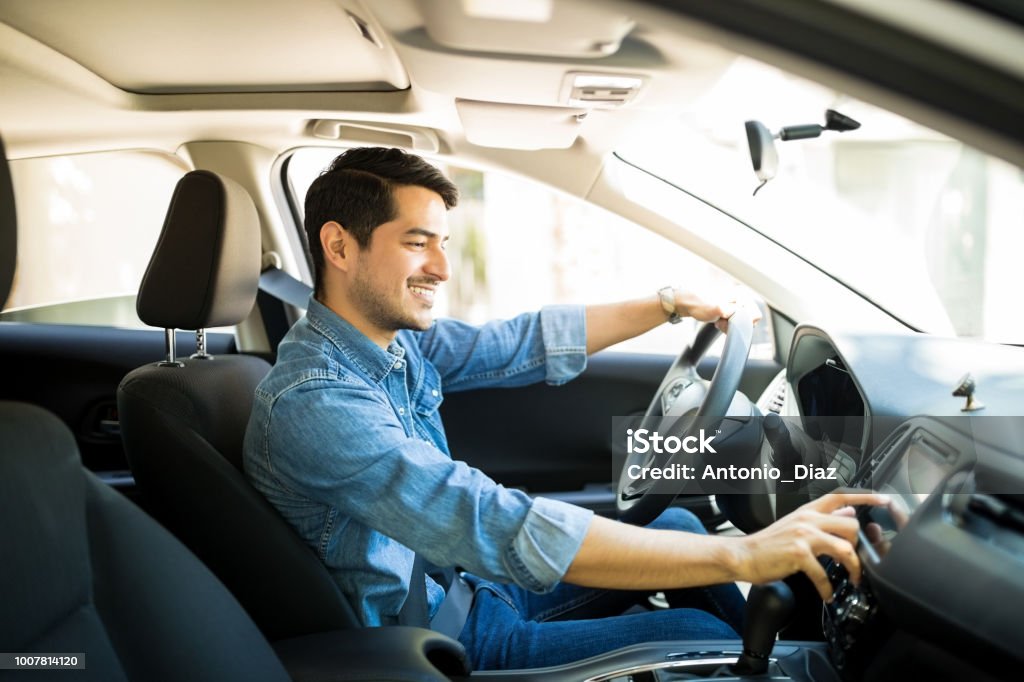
909, 466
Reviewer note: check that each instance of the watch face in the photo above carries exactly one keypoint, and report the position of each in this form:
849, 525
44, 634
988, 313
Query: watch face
668, 303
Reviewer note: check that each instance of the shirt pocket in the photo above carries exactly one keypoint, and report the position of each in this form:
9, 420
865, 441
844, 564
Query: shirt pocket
426, 404
430, 398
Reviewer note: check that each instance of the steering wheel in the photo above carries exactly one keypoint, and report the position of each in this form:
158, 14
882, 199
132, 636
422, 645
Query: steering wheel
683, 405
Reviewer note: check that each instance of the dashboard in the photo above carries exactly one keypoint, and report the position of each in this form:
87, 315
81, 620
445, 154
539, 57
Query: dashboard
943, 581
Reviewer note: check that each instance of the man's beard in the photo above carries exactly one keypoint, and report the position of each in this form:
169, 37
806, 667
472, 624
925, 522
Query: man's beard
381, 311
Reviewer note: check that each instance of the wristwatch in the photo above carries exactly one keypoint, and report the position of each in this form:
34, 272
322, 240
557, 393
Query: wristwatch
667, 295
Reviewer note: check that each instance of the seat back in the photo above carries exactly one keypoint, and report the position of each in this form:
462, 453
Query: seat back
183, 420
84, 572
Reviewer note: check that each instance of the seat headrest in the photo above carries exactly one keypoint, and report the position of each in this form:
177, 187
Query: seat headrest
206, 266
8, 228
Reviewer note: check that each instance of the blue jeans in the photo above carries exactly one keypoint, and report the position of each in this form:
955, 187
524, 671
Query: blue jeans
509, 627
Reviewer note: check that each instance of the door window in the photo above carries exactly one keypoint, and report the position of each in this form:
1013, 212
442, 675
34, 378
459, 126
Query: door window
87, 226
517, 245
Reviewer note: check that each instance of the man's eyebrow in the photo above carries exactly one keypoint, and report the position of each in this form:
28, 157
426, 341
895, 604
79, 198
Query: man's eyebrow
423, 232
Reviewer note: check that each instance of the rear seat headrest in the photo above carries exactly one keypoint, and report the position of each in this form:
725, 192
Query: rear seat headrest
206, 266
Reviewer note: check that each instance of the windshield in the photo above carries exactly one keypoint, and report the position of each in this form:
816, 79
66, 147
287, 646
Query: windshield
925, 227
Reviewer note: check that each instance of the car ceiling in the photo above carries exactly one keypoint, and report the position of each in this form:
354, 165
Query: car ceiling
482, 79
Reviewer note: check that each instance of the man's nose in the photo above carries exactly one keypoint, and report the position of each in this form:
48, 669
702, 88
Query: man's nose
437, 265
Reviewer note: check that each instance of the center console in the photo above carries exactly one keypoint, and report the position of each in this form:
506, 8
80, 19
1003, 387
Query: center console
757, 656
676, 661
941, 563
939, 596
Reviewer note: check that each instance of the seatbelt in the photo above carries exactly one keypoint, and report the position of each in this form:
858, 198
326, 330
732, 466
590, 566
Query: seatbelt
284, 287
451, 614
414, 611
278, 290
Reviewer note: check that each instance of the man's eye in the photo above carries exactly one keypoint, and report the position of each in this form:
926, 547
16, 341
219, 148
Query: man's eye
418, 245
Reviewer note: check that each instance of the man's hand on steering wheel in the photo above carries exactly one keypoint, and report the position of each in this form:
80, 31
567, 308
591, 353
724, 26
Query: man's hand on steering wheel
685, 403
702, 309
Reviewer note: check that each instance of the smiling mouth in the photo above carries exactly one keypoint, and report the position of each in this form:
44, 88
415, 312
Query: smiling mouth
425, 294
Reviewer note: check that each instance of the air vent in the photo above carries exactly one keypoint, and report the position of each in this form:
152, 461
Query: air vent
1002, 512
364, 29
778, 396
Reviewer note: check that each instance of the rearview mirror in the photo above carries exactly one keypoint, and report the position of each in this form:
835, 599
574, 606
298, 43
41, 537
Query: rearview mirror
762, 152
762, 142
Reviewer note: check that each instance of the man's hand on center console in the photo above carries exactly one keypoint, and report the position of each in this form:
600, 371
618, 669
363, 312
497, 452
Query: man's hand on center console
794, 542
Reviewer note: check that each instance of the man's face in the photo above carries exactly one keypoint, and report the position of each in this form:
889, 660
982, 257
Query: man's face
397, 275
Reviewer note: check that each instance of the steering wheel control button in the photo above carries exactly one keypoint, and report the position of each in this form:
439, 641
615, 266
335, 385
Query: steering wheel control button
668, 398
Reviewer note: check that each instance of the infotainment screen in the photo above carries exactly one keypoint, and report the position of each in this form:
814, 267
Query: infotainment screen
909, 475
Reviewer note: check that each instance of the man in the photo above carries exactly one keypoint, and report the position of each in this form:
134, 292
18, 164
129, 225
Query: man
346, 441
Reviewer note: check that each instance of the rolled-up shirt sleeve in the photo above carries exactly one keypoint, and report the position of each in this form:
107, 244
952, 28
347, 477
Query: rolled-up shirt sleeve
564, 328
546, 543
407, 489
549, 345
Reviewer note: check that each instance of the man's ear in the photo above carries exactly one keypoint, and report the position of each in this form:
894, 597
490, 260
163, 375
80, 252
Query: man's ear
337, 244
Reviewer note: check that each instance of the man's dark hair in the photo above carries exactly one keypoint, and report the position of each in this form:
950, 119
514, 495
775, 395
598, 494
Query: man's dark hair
357, 191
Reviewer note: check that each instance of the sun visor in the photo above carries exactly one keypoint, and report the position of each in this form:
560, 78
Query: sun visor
518, 126
217, 47
538, 27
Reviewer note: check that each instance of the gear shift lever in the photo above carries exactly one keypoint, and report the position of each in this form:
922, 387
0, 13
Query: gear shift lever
768, 610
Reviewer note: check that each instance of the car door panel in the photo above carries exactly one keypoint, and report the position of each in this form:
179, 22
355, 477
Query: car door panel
74, 371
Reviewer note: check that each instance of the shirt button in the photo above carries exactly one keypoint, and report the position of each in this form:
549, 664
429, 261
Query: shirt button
401, 410
433, 393
398, 364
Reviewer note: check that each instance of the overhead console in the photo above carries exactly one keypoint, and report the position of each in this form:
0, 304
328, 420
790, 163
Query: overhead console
544, 70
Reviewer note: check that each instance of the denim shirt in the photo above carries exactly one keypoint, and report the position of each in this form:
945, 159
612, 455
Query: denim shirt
346, 441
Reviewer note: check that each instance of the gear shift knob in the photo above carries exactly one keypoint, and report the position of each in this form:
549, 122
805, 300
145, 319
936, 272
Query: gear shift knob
768, 610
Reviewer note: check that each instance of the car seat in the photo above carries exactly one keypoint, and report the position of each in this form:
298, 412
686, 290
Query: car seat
183, 419
87, 573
